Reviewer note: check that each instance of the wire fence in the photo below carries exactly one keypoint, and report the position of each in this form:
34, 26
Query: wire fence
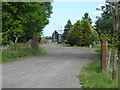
112, 63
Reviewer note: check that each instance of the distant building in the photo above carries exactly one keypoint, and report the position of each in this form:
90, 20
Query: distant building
56, 37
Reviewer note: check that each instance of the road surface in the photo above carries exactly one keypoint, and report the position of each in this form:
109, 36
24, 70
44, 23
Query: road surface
57, 69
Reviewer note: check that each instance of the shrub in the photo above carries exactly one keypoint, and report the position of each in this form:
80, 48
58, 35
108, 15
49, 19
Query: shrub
65, 41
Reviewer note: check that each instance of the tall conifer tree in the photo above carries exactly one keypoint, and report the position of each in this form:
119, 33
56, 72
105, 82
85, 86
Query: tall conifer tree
75, 34
66, 30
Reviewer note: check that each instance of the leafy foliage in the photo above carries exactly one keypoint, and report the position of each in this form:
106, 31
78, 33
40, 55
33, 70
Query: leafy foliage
81, 33
104, 23
87, 32
22, 19
105, 29
75, 34
94, 37
111, 38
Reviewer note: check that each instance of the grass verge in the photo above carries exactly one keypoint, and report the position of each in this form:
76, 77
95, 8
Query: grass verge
97, 46
10, 55
67, 45
92, 77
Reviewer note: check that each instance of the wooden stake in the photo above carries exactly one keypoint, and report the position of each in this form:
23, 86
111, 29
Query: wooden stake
103, 53
34, 44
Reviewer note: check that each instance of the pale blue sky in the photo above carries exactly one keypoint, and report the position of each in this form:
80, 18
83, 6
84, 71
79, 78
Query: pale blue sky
62, 11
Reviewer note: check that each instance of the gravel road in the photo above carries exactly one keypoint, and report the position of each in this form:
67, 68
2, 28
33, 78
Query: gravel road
57, 69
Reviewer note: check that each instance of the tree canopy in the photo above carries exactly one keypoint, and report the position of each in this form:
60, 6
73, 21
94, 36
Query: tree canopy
80, 33
104, 22
87, 31
22, 19
75, 34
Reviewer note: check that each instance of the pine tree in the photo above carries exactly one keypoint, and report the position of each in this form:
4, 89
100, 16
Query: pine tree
66, 30
86, 16
75, 34
87, 31
106, 18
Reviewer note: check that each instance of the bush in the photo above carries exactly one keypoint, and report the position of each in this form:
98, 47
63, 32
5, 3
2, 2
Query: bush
65, 41
94, 37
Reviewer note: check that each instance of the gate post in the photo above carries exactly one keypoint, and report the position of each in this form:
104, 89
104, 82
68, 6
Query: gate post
103, 54
34, 44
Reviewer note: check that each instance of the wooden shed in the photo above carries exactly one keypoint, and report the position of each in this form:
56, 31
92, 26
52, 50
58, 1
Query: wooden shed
56, 37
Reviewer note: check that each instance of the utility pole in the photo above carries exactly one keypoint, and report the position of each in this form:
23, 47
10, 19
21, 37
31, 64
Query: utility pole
54, 33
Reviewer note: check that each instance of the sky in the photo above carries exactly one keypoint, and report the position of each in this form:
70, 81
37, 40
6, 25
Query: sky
62, 11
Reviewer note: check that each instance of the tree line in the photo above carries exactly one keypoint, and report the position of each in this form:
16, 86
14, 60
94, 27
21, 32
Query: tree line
105, 28
80, 33
20, 20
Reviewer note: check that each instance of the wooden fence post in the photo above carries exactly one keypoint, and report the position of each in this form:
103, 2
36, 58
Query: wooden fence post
34, 44
119, 66
103, 54
114, 65
119, 60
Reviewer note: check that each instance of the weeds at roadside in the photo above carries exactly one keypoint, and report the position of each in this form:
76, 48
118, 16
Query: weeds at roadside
92, 77
20, 50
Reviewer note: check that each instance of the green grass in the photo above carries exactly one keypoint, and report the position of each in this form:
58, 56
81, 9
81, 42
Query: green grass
50, 40
97, 46
20, 51
92, 77
67, 45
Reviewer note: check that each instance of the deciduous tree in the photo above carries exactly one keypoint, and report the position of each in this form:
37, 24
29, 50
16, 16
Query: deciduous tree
22, 19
